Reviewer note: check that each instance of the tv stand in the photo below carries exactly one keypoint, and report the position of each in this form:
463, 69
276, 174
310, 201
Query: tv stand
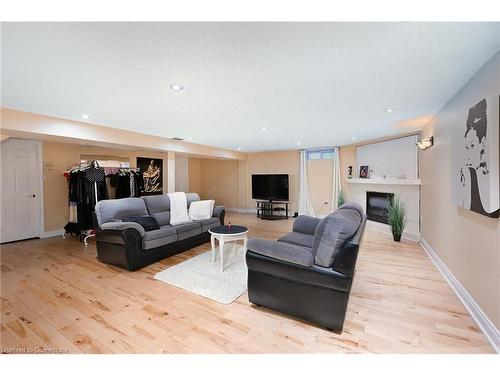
271, 210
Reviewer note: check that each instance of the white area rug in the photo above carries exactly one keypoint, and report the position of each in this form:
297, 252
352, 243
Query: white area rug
201, 276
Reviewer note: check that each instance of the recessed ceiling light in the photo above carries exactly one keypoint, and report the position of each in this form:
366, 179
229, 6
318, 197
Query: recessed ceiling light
176, 87
298, 143
389, 110
190, 138
239, 148
86, 117
264, 128
353, 138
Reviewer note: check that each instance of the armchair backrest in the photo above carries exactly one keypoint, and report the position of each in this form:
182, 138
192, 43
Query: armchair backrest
333, 233
345, 260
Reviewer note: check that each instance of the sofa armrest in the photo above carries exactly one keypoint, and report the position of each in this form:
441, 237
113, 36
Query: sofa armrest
282, 251
122, 225
220, 213
306, 224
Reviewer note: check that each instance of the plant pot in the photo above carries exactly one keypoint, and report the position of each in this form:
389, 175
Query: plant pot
396, 237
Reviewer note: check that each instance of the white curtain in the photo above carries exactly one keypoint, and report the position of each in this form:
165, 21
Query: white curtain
305, 202
336, 186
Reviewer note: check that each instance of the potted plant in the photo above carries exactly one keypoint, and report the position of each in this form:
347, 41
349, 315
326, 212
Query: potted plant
396, 217
341, 198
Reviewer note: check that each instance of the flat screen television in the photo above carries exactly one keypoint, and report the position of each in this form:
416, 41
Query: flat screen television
271, 187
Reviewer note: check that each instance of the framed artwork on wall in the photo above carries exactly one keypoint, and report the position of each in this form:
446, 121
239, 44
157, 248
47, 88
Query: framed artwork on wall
476, 158
152, 174
363, 171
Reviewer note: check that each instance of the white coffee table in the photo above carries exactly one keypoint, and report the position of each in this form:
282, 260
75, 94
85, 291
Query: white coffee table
223, 234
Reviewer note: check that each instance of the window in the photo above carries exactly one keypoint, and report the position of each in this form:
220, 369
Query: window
321, 154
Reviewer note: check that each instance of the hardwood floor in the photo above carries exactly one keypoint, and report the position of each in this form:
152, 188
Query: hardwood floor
56, 295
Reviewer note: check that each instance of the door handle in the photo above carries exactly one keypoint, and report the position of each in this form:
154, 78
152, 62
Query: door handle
32, 196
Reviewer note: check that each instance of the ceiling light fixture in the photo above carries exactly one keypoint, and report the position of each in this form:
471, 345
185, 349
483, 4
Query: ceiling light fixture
353, 138
239, 148
176, 87
424, 144
86, 117
190, 138
389, 110
298, 143
264, 128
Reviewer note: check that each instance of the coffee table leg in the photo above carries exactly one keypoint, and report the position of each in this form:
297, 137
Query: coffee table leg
221, 246
212, 241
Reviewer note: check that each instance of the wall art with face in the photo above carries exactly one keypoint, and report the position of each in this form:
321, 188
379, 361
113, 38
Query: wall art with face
477, 172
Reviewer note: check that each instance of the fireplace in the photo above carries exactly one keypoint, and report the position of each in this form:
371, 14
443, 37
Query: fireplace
377, 205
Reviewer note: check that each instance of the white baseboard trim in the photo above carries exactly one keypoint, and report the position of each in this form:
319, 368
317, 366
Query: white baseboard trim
53, 233
482, 320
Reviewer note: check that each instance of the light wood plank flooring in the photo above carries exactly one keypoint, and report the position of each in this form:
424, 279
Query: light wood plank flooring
54, 294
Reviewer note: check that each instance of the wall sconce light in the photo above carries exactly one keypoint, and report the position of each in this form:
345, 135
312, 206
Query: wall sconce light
424, 144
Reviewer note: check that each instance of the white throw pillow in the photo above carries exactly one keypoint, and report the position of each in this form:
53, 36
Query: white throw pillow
200, 210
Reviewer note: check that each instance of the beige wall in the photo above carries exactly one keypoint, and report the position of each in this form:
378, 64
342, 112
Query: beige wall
194, 173
467, 242
320, 177
274, 162
347, 158
57, 157
229, 181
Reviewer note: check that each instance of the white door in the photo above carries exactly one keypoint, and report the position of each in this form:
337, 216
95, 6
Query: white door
20, 190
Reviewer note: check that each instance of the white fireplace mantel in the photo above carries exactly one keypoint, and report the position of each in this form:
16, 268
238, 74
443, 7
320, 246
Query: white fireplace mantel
383, 181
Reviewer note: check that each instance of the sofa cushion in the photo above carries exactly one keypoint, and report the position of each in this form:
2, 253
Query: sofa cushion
117, 209
352, 206
206, 224
163, 231
191, 197
282, 251
149, 223
332, 233
296, 238
187, 230
162, 218
305, 224
159, 237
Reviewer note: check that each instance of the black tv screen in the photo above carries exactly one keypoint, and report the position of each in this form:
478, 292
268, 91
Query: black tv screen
272, 187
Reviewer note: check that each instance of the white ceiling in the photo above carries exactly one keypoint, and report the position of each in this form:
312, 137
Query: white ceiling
320, 84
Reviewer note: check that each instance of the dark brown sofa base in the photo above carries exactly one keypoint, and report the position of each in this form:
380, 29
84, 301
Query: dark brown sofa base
123, 248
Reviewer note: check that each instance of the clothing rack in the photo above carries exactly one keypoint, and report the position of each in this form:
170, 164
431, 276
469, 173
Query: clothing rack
78, 193
80, 167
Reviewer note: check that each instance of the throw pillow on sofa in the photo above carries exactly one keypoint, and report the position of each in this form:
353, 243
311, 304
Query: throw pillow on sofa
149, 223
201, 210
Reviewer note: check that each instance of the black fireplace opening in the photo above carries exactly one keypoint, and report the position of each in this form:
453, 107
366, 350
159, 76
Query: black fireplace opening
377, 205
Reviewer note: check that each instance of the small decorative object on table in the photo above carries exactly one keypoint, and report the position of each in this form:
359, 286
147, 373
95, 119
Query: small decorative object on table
363, 171
349, 172
396, 216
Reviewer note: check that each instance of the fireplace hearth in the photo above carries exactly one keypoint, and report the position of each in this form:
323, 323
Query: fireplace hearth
377, 205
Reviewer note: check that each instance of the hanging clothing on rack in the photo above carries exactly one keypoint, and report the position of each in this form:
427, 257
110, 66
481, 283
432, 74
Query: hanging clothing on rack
86, 186
129, 184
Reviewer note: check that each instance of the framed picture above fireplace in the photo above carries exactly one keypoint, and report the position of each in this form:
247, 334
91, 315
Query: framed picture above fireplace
363, 171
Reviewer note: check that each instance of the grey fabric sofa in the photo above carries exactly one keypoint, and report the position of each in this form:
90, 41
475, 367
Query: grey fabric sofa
308, 273
128, 245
